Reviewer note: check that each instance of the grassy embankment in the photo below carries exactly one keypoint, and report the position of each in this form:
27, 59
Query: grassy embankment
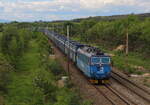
22, 89
35, 84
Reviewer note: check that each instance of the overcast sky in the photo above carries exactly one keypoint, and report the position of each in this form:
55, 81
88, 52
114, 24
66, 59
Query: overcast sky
32, 10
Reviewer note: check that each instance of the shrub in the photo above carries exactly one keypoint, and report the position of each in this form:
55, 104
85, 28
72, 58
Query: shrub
5, 70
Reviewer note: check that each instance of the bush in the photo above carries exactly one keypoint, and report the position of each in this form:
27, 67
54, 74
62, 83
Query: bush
56, 69
65, 97
14, 42
5, 70
43, 81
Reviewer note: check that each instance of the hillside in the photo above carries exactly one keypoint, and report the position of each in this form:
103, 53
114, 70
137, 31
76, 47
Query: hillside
105, 18
113, 17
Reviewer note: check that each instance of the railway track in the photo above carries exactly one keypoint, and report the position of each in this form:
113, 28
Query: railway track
112, 96
101, 92
117, 93
133, 87
125, 98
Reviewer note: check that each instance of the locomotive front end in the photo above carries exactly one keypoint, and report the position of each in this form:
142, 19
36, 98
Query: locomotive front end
100, 67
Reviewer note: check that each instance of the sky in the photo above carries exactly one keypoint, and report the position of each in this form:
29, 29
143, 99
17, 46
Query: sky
48, 10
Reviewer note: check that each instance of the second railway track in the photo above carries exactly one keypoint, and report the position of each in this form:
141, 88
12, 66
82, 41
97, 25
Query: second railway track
133, 87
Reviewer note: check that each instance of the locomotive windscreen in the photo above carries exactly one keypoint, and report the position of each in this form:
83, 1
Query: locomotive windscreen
105, 60
98, 60
95, 60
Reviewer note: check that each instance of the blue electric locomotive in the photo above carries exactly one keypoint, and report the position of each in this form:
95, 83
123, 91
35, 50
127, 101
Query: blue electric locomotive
94, 64
91, 61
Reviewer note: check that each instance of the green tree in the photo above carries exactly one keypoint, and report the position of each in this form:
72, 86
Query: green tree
14, 42
8, 34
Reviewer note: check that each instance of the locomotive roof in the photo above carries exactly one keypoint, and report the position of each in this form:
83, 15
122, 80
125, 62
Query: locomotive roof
91, 51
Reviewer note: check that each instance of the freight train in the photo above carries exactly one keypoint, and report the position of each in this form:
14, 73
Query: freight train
95, 64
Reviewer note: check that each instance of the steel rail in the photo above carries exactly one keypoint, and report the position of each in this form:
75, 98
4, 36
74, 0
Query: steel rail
104, 95
118, 94
140, 95
148, 92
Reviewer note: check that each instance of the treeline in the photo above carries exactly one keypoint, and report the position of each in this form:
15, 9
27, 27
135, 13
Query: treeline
110, 34
113, 17
13, 43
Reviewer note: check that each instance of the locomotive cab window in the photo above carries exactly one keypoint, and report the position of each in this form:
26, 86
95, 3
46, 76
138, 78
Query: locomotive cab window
95, 60
105, 60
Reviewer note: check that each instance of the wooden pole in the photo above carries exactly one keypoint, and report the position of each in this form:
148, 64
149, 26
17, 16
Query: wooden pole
53, 28
127, 49
68, 51
127, 42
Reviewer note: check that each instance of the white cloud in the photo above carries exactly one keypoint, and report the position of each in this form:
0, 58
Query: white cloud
39, 6
99, 4
56, 5
40, 9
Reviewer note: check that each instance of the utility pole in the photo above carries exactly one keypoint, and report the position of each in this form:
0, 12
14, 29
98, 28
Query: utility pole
53, 28
57, 30
127, 48
62, 29
127, 41
68, 51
